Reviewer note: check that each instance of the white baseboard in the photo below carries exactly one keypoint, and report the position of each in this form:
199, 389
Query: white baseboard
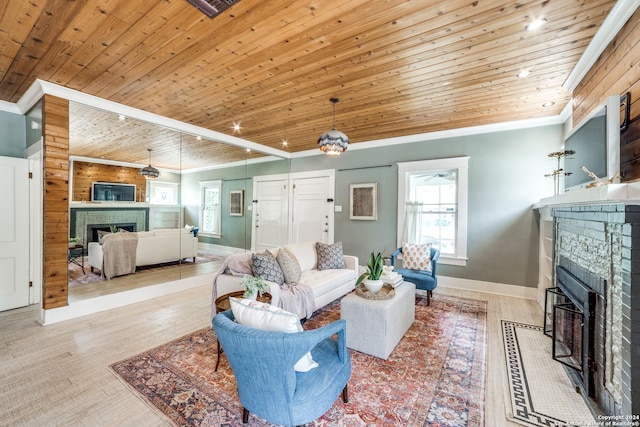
221, 250
488, 287
120, 299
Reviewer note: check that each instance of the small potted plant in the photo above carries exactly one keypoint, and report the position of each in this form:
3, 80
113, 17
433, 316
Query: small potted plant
253, 286
371, 278
73, 241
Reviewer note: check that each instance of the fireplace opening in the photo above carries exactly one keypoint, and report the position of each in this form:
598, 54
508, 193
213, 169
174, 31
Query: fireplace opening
571, 321
568, 330
92, 229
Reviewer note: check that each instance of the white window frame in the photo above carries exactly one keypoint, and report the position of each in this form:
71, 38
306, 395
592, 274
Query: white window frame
461, 164
203, 186
160, 184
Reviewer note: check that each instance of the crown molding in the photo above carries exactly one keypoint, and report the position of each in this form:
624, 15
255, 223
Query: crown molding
9, 107
613, 23
444, 134
42, 87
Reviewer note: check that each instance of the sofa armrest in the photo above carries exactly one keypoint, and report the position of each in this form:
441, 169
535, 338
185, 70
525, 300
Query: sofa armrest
351, 263
95, 255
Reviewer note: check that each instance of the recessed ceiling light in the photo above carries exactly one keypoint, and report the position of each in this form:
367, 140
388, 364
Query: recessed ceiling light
199, 138
285, 143
524, 73
236, 127
122, 117
549, 104
534, 25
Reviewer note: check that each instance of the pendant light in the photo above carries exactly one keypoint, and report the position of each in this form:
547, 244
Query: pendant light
333, 142
149, 172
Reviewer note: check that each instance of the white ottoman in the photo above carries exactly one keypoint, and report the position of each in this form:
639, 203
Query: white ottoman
375, 327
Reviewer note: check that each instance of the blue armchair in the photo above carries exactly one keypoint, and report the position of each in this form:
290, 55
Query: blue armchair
263, 362
425, 280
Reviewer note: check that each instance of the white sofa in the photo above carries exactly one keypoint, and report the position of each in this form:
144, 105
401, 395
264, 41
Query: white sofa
327, 285
154, 247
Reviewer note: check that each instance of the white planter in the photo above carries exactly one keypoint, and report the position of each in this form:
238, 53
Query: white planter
373, 285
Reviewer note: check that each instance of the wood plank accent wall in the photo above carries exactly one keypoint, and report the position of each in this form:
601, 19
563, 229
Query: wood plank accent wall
56, 201
617, 71
85, 173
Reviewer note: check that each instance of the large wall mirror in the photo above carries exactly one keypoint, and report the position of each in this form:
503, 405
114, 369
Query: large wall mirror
202, 183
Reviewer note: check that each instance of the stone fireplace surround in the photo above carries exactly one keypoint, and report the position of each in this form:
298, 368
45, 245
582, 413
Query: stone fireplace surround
600, 238
83, 219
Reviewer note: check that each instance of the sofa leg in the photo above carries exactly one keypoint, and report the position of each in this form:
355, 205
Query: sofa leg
345, 394
245, 415
429, 295
194, 259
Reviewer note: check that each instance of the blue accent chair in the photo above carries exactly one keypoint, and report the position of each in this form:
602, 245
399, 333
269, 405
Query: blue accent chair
263, 362
425, 280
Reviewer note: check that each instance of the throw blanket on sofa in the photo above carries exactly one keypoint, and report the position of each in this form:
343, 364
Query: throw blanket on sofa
296, 299
119, 251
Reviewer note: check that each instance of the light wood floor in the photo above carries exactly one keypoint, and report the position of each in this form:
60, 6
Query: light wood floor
58, 375
141, 278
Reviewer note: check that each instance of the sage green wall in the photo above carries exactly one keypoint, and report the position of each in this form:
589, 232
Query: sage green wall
12, 135
506, 176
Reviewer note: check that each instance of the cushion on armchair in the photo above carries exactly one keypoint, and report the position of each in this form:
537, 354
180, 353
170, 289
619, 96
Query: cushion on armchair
416, 257
267, 317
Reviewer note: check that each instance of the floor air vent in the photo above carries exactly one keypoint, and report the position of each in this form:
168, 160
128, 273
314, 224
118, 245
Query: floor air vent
212, 8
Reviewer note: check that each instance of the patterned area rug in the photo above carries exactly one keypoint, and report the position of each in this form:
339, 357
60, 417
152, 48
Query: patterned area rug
78, 278
540, 392
434, 377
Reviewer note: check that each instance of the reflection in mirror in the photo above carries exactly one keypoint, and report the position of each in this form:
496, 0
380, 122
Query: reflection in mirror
105, 147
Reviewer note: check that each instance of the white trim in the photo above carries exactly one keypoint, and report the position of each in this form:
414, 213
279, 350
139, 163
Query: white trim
443, 134
41, 87
9, 107
613, 23
120, 299
203, 185
461, 164
488, 287
36, 259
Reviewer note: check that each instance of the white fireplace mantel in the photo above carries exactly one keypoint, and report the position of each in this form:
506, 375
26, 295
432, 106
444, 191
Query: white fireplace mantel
628, 193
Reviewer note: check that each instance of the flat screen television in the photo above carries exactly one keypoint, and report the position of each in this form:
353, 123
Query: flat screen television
596, 142
113, 192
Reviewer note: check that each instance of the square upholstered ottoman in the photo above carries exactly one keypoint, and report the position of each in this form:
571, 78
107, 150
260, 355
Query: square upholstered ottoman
375, 327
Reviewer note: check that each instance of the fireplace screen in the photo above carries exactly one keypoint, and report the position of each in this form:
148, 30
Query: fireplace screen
568, 324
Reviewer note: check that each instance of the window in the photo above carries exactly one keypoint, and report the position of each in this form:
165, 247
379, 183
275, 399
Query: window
210, 210
432, 206
163, 193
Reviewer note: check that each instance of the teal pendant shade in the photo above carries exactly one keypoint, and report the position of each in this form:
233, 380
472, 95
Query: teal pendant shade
149, 172
333, 142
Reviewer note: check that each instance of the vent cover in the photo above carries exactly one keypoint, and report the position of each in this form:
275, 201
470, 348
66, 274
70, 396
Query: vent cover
212, 8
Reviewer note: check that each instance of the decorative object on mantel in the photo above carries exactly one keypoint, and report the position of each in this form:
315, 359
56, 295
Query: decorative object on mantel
149, 172
333, 142
597, 182
371, 279
386, 292
558, 172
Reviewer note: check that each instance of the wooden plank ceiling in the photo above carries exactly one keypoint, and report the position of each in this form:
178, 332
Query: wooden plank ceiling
399, 67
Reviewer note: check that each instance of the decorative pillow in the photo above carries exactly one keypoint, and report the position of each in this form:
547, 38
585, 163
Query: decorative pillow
267, 317
265, 265
416, 257
101, 234
330, 256
290, 266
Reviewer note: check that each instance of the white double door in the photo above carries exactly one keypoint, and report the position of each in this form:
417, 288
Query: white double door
293, 208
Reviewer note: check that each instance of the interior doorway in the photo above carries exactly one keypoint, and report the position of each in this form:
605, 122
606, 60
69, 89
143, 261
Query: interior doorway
293, 208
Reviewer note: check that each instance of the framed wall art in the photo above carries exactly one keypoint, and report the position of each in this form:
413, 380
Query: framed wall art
236, 201
363, 201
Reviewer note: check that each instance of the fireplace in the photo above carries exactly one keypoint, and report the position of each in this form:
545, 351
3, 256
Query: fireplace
92, 229
594, 309
571, 311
